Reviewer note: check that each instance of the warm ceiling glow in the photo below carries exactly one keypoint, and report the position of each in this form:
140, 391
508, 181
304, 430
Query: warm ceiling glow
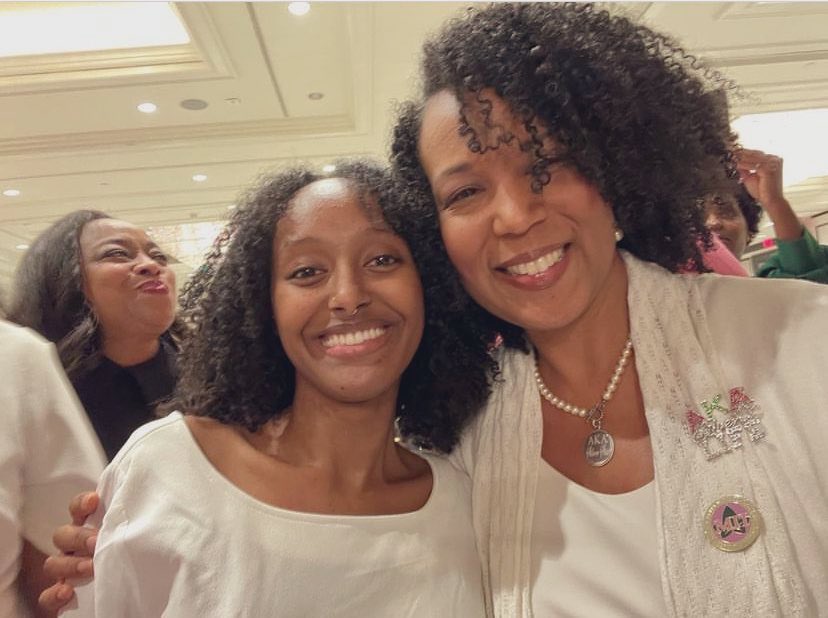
33, 28
199, 177
299, 8
796, 136
147, 108
187, 242
11, 192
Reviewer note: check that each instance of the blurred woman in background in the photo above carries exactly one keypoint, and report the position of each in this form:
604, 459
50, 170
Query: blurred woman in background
102, 291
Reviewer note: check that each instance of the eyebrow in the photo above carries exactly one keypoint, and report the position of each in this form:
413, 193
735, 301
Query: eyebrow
458, 168
291, 242
123, 242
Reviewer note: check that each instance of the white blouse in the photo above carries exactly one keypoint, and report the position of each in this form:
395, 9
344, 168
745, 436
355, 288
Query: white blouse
581, 565
180, 540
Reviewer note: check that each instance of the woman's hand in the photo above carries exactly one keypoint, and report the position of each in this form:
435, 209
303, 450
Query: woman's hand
761, 174
78, 546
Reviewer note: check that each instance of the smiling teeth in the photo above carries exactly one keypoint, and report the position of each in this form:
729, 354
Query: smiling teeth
352, 338
537, 266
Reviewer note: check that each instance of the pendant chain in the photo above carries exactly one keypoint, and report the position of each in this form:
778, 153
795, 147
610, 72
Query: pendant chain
595, 414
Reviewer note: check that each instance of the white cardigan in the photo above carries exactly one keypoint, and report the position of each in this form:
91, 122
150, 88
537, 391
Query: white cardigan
694, 337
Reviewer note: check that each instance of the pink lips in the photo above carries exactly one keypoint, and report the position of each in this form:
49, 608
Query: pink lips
154, 287
539, 281
529, 256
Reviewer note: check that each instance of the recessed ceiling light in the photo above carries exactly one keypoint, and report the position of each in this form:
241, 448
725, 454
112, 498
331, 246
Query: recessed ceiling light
299, 8
328, 168
11, 192
22, 247
194, 105
199, 177
231, 207
315, 96
147, 107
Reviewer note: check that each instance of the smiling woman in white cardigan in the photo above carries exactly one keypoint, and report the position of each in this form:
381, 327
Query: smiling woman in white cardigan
655, 445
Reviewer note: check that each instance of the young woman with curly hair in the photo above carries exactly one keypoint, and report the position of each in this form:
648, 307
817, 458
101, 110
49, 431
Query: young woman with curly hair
101, 290
557, 165
282, 489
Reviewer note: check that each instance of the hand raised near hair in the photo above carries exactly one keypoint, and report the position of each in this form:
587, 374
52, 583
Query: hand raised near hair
78, 546
761, 174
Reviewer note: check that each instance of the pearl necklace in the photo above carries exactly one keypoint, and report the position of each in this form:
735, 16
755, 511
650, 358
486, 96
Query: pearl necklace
599, 446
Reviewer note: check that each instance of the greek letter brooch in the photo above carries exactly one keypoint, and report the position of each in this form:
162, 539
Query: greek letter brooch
720, 430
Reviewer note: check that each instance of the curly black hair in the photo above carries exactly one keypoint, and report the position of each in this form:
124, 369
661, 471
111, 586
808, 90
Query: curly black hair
233, 367
639, 118
49, 298
751, 211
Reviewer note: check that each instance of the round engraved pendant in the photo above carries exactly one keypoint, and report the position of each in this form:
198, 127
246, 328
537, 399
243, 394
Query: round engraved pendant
599, 448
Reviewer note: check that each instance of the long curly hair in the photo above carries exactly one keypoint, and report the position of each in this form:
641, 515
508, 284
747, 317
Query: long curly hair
233, 367
49, 298
751, 211
639, 118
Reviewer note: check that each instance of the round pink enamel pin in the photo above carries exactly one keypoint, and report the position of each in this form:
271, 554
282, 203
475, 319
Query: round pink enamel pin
732, 523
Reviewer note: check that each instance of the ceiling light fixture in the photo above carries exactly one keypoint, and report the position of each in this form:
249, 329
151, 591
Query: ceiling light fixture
61, 27
11, 192
22, 247
147, 107
328, 168
298, 8
199, 177
231, 207
194, 105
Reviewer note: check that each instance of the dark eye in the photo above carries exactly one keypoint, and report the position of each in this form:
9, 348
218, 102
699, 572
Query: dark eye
384, 260
460, 195
116, 253
159, 257
305, 272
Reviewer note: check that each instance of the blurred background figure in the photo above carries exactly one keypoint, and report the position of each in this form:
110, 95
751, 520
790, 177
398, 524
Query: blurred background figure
101, 290
735, 219
47, 454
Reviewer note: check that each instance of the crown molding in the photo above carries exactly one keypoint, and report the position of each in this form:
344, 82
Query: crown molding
101, 141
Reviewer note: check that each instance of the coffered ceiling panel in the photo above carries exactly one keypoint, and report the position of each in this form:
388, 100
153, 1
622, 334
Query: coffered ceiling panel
243, 95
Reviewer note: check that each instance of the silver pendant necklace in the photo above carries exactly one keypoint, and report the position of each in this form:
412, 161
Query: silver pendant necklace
599, 447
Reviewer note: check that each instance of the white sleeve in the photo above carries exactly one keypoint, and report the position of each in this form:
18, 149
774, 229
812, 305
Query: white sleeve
116, 588
62, 455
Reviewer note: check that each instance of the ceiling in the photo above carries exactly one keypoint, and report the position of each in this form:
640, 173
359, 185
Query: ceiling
71, 136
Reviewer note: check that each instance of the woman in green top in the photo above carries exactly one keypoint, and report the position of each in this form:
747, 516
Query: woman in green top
799, 256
